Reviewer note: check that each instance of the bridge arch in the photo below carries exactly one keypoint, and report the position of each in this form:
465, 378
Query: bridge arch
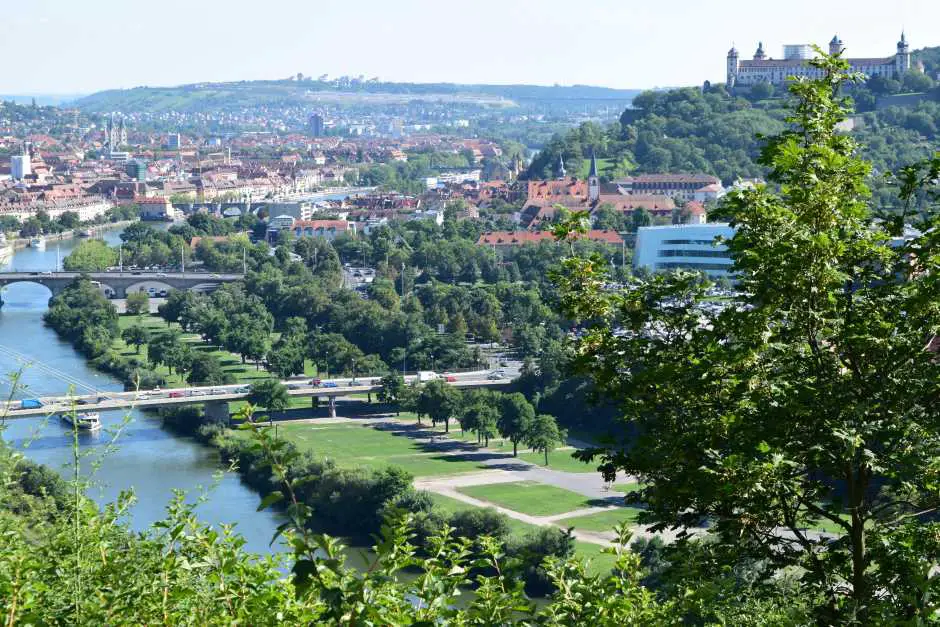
149, 284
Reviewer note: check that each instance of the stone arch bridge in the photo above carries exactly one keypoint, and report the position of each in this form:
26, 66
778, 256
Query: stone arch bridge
120, 284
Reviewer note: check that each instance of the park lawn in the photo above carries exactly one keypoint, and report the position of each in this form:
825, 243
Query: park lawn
559, 460
598, 563
353, 445
529, 497
602, 521
231, 363
626, 488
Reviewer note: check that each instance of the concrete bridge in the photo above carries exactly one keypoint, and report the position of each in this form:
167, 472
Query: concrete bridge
216, 398
120, 284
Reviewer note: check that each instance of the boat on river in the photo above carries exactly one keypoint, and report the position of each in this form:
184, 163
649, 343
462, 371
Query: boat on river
39, 243
90, 421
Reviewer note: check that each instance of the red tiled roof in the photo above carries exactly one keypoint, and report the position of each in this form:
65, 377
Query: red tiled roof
518, 238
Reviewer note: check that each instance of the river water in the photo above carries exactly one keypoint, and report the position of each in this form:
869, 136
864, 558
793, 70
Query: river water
145, 458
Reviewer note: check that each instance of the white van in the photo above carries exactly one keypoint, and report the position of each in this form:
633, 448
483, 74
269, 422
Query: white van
426, 375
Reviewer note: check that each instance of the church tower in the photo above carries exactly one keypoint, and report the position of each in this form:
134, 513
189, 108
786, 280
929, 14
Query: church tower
902, 61
835, 46
760, 55
122, 133
561, 168
594, 182
732, 69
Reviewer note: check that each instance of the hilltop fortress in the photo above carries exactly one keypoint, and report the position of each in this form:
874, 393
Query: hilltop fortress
762, 69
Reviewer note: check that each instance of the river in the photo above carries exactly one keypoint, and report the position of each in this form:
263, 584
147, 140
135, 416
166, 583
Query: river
146, 458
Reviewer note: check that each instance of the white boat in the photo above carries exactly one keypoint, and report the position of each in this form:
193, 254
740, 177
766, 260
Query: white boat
90, 421
38, 243
86, 233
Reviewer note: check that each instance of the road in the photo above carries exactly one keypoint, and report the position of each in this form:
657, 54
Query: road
110, 401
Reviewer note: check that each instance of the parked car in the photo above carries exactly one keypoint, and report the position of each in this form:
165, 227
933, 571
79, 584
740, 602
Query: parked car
330, 384
162, 293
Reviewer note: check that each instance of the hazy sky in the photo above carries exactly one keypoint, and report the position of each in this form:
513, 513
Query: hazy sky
80, 46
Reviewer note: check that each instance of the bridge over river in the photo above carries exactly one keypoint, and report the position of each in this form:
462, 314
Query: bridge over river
120, 284
216, 398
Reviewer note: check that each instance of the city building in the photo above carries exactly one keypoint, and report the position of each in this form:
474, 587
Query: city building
316, 125
680, 186
136, 169
20, 167
328, 229
687, 246
761, 69
173, 141
156, 208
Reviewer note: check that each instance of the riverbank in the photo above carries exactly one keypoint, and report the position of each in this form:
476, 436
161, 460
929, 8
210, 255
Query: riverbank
23, 242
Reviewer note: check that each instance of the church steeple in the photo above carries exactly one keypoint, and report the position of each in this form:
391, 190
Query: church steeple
594, 181
561, 167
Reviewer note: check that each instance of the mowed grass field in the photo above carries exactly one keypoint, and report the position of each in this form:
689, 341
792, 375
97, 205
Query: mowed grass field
598, 563
602, 521
352, 445
529, 497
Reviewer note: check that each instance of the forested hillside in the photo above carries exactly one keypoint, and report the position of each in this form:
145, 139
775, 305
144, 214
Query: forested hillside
708, 130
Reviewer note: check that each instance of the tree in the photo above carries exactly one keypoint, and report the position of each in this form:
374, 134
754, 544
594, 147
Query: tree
138, 303
138, 335
91, 255
480, 414
543, 435
641, 217
440, 401
393, 390
270, 394
515, 419
761, 91
206, 369
285, 359
814, 399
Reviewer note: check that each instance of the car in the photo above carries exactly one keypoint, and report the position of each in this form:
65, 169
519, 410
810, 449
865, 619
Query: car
219, 391
316, 382
143, 396
135, 273
356, 382
330, 384
242, 390
198, 393
47, 273
295, 386
83, 401
161, 274
215, 275
102, 399
162, 293
177, 394
450, 378
495, 376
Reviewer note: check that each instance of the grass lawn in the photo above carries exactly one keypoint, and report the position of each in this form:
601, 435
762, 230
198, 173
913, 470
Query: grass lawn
362, 445
600, 563
559, 460
602, 521
626, 488
529, 497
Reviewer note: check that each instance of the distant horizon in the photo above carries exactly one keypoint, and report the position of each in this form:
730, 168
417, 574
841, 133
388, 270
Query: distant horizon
605, 43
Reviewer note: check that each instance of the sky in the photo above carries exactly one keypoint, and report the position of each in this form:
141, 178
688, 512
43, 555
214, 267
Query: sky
82, 46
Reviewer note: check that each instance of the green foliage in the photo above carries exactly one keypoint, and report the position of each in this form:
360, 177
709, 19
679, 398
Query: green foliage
206, 369
515, 419
84, 316
137, 335
138, 303
810, 399
270, 394
543, 435
91, 255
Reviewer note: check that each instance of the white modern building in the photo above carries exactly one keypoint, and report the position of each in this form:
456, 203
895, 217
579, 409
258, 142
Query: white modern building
686, 246
20, 167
